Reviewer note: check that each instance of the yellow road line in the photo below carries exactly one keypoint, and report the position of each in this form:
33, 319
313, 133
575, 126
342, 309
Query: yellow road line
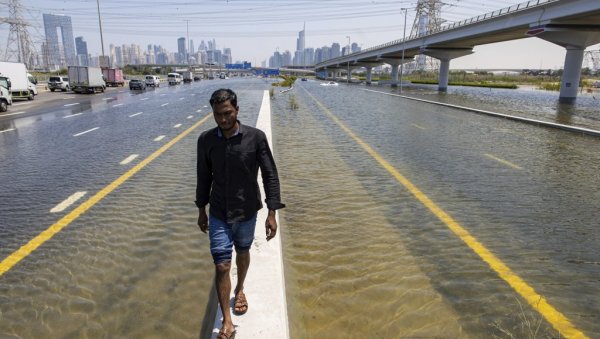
417, 126
537, 301
506, 162
41, 238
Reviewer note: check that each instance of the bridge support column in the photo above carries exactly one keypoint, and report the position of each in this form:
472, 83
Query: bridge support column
395, 73
569, 82
445, 55
575, 39
369, 75
395, 63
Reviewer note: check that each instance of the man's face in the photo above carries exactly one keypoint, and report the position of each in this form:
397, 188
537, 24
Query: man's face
225, 115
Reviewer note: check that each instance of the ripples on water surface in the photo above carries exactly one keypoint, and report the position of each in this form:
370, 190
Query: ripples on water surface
364, 258
135, 265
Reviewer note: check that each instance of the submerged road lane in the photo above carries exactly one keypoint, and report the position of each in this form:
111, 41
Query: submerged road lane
523, 192
136, 237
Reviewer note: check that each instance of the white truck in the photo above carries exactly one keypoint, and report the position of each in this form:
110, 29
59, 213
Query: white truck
188, 76
5, 96
174, 78
22, 83
84, 79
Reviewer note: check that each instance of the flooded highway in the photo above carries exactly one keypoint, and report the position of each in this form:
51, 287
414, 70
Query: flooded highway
391, 207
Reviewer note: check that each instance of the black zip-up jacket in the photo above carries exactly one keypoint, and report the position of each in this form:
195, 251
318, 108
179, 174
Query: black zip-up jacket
227, 174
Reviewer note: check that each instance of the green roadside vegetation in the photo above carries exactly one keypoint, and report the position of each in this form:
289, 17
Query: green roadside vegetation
288, 81
548, 80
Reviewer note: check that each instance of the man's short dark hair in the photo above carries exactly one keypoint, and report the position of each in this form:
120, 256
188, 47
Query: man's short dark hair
222, 95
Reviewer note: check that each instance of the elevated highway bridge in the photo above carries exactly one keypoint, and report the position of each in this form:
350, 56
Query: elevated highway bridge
572, 24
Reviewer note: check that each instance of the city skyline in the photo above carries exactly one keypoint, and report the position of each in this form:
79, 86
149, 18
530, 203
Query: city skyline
272, 27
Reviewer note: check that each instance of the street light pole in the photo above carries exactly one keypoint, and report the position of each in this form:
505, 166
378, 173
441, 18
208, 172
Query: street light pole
348, 53
403, 45
100, 23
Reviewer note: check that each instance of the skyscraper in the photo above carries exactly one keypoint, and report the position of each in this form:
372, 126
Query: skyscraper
182, 50
300, 46
335, 51
82, 51
61, 53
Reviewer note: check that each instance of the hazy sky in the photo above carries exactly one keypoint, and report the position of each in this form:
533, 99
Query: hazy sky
254, 29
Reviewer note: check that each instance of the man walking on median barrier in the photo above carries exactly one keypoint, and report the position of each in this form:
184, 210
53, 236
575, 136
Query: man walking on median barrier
229, 157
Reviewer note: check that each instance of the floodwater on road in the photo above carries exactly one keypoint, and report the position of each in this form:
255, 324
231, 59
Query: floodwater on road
362, 256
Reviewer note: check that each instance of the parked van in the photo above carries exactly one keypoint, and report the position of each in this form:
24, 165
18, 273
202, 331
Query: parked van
152, 80
58, 82
174, 78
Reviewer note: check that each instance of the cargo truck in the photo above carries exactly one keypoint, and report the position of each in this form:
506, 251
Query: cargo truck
84, 79
22, 83
5, 96
113, 77
188, 76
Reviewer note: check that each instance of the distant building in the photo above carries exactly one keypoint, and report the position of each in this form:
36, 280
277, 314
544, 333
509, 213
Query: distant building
227, 59
60, 53
300, 46
82, 51
181, 51
118, 60
334, 52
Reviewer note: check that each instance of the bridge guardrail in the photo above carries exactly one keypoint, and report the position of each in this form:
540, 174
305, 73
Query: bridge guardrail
486, 16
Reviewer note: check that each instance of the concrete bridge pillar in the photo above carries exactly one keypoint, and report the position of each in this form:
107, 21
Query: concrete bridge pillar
395, 63
445, 55
575, 39
369, 74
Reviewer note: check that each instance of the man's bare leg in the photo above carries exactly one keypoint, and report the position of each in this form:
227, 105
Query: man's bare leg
223, 291
243, 263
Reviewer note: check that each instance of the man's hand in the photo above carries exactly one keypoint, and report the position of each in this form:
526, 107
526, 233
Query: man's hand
203, 220
271, 225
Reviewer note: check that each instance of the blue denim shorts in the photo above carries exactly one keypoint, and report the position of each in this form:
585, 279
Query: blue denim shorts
223, 236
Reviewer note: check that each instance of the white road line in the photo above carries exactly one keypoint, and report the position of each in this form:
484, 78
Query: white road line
7, 130
417, 126
84, 132
165, 104
507, 163
13, 113
67, 98
121, 91
117, 105
142, 99
190, 116
109, 99
22, 103
68, 202
181, 98
199, 111
177, 126
193, 94
159, 138
73, 104
138, 113
163, 94
72, 115
205, 106
128, 159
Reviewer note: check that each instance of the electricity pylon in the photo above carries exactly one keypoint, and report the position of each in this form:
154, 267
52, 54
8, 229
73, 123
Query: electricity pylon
428, 19
19, 46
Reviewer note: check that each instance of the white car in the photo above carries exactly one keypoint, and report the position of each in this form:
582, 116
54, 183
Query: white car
330, 83
152, 80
